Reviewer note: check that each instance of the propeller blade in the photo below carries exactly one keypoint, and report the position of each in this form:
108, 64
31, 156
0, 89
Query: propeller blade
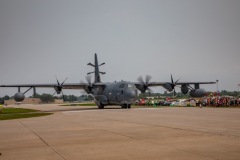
58, 87
64, 81
145, 83
177, 81
171, 79
140, 79
54, 93
88, 79
148, 78
57, 81
173, 85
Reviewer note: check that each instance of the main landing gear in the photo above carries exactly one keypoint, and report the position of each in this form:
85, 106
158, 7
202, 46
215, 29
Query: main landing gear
125, 106
100, 106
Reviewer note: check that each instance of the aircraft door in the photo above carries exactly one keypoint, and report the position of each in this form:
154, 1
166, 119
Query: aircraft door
111, 92
119, 95
110, 95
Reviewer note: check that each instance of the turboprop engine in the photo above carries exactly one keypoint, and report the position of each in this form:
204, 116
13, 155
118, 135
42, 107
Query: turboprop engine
58, 89
184, 89
198, 92
143, 86
168, 87
171, 86
19, 97
88, 88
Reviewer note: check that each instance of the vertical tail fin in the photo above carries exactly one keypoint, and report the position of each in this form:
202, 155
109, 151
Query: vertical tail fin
96, 67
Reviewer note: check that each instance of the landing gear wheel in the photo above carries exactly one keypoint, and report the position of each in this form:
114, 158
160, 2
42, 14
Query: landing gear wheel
125, 106
100, 106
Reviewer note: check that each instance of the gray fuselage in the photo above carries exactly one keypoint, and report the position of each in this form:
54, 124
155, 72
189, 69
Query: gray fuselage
116, 93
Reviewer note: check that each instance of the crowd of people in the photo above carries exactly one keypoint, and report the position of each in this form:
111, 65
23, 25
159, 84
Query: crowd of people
216, 101
220, 101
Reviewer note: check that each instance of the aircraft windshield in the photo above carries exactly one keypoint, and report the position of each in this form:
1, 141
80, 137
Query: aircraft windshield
130, 86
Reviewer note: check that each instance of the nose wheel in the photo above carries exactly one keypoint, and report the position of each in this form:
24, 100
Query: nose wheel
126, 106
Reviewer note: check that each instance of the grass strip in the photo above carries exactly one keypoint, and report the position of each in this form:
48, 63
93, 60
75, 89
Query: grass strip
17, 113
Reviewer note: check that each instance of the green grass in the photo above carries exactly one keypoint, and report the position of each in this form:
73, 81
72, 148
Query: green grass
17, 113
16, 110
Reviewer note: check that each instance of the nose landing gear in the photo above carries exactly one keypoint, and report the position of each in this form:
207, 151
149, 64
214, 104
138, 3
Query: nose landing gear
125, 106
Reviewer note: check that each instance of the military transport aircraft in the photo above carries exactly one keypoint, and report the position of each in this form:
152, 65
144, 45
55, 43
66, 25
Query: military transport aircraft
121, 93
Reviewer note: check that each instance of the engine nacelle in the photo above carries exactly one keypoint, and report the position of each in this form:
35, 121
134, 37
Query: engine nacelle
19, 97
184, 89
168, 87
58, 89
198, 93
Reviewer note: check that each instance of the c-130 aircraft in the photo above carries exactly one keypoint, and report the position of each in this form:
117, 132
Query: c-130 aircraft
121, 93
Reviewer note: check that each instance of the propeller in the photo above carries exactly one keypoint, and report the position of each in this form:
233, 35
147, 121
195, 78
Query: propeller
145, 83
89, 81
58, 87
173, 84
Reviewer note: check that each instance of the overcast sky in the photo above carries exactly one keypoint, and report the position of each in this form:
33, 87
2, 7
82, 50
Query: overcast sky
195, 40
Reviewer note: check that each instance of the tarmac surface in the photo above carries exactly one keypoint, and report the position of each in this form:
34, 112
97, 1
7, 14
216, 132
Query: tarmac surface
73, 133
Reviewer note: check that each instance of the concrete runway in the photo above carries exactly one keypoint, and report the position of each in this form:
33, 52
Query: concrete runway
126, 134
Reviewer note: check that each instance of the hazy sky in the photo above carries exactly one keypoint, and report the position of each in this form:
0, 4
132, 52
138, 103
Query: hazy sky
195, 40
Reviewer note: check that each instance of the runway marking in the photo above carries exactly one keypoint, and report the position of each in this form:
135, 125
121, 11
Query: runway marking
43, 140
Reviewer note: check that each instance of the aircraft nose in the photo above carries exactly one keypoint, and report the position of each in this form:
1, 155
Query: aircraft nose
132, 94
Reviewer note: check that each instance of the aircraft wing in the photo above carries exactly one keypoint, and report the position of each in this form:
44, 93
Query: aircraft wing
143, 86
64, 86
152, 84
180, 83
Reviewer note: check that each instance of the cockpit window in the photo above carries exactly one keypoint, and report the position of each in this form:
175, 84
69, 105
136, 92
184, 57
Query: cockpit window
126, 85
130, 86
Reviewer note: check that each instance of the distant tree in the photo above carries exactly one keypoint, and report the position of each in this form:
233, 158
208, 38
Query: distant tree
229, 93
46, 98
73, 98
1, 101
88, 98
224, 92
6, 97
235, 94
36, 96
70, 98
